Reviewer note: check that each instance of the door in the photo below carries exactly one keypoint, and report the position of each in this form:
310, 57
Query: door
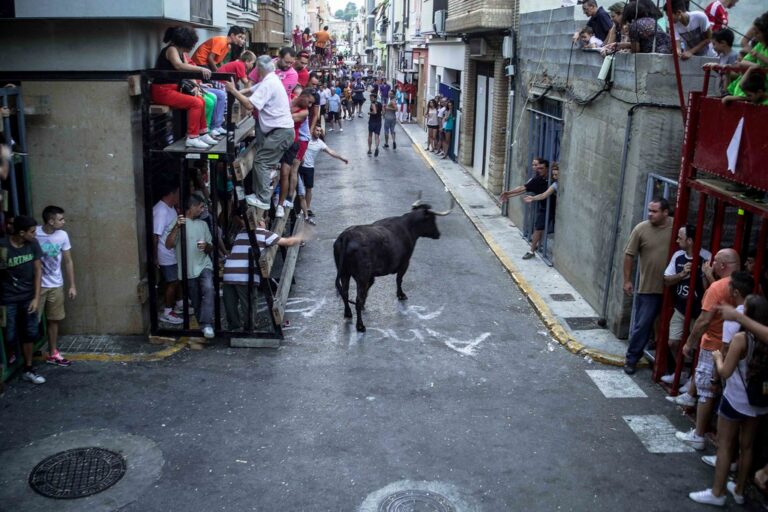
481, 102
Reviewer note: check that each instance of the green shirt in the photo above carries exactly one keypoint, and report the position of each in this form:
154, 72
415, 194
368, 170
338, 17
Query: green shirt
734, 88
197, 260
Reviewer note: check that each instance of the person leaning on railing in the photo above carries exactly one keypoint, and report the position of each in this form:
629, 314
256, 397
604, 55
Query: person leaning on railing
644, 33
164, 91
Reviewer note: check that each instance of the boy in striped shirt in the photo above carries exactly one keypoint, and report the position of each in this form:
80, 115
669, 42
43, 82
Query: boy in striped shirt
236, 270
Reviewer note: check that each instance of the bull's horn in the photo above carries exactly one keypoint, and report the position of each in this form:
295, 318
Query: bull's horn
418, 201
453, 202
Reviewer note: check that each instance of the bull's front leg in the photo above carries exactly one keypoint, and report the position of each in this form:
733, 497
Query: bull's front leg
399, 280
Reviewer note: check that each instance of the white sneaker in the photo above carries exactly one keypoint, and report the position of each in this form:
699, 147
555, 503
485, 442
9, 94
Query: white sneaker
219, 132
208, 332
692, 439
273, 174
195, 143
738, 498
685, 400
279, 212
171, 318
287, 204
253, 200
668, 379
707, 498
330, 129
33, 377
341, 129
208, 140
685, 387
711, 460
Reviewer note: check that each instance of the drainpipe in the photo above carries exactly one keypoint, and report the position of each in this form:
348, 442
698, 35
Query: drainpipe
617, 219
510, 123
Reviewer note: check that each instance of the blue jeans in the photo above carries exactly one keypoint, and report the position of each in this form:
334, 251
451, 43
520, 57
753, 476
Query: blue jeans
201, 294
20, 325
217, 120
647, 306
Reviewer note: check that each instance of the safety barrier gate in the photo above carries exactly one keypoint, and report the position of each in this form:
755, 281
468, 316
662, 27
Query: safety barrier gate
724, 148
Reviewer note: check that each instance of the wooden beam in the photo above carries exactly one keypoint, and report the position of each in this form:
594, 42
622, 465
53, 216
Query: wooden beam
244, 162
267, 259
286, 278
159, 109
134, 85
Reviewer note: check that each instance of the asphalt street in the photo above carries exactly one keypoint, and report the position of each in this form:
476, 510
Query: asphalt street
458, 394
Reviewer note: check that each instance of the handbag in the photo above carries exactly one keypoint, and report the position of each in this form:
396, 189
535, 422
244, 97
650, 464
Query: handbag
756, 386
187, 86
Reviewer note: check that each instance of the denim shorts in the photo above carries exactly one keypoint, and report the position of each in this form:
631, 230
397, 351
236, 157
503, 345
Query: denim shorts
728, 412
170, 273
20, 325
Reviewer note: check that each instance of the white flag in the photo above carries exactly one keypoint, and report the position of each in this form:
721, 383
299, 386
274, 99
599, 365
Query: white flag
733, 147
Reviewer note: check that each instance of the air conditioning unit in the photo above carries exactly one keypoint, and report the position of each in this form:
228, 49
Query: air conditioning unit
478, 48
508, 47
440, 21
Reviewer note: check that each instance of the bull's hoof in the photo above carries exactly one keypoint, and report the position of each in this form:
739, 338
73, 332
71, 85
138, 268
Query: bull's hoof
360, 328
347, 314
402, 296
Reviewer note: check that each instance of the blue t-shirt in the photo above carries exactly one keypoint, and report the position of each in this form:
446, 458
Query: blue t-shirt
334, 102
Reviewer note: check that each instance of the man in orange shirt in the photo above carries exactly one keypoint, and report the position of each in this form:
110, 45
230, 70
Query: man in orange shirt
322, 38
709, 330
212, 52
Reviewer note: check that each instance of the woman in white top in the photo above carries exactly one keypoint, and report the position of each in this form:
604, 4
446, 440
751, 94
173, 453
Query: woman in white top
738, 419
433, 125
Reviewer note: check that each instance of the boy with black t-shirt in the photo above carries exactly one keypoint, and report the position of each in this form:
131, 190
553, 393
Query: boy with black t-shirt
21, 274
374, 123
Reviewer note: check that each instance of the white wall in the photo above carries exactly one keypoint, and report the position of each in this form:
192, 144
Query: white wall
447, 54
545, 5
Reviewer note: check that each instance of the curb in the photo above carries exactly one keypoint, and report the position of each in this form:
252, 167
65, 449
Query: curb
132, 358
555, 328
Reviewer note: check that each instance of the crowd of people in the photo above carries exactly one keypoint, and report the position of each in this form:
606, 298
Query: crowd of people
639, 26
721, 361
297, 103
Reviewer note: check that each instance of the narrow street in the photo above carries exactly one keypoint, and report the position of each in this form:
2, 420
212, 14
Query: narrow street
459, 391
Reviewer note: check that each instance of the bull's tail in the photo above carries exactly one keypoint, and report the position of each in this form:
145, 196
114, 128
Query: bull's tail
339, 250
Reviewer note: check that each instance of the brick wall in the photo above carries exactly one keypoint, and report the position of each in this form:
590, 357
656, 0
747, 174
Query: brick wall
471, 15
468, 92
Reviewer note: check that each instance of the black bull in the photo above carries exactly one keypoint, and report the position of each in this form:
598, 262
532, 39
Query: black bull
379, 249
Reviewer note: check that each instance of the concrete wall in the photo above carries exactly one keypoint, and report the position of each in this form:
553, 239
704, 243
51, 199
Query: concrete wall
82, 158
592, 146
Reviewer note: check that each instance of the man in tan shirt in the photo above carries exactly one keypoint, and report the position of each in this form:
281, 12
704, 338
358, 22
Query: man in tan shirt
649, 241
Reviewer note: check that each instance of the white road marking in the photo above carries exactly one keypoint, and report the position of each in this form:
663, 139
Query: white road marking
417, 311
657, 434
466, 348
615, 384
307, 311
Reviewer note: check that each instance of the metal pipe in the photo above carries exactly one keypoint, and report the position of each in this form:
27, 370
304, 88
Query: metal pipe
617, 218
676, 59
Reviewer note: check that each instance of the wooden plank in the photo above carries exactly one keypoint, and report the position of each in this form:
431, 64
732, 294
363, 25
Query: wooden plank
267, 259
244, 162
254, 214
254, 342
134, 85
243, 130
159, 109
286, 278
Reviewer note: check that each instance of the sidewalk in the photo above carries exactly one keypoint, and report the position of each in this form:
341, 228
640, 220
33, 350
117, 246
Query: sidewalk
550, 294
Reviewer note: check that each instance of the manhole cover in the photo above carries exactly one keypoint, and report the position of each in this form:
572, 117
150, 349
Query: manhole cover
77, 473
415, 501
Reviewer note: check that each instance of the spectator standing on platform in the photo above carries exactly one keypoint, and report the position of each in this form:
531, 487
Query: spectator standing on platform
296, 39
212, 52
55, 246
717, 13
644, 33
163, 215
722, 42
692, 28
199, 244
164, 91
284, 69
274, 133
599, 20
306, 39
708, 331
648, 241
322, 39
20, 281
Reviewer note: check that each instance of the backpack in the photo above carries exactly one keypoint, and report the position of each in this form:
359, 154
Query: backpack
756, 383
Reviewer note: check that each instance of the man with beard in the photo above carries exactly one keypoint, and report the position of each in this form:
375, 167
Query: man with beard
283, 69
302, 61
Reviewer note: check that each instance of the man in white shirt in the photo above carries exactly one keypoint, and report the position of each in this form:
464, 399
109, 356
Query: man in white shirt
693, 28
274, 133
163, 215
54, 242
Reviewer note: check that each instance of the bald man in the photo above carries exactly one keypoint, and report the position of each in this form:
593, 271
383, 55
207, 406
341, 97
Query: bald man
708, 330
